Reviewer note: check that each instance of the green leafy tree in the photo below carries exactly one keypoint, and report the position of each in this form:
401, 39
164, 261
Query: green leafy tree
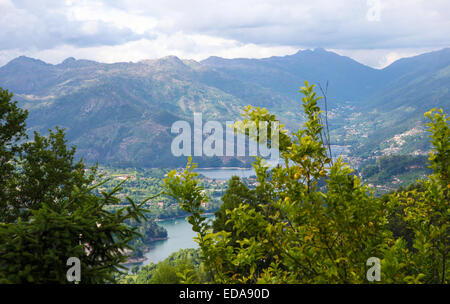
12, 132
50, 212
425, 213
237, 193
311, 220
183, 266
47, 172
303, 233
135, 269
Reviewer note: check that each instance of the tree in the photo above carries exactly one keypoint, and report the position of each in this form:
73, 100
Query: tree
237, 193
50, 212
12, 132
315, 221
425, 211
135, 269
47, 172
182, 266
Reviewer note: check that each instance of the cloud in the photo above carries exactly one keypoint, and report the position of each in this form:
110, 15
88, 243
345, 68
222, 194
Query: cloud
327, 23
380, 58
197, 47
375, 31
43, 25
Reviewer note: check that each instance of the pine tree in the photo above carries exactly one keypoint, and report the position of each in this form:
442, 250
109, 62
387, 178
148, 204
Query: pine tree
50, 213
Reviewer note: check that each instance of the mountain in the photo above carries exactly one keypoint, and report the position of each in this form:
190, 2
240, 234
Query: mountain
121, 113
411, 87
350, 80
117, 113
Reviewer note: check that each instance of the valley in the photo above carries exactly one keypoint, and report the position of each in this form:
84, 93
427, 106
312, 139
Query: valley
120, 114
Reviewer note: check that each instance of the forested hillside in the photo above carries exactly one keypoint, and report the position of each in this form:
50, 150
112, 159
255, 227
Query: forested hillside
121, 113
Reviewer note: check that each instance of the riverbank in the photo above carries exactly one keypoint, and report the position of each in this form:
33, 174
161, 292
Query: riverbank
146, 248
183, 217
224, 168
134, 261
225, 173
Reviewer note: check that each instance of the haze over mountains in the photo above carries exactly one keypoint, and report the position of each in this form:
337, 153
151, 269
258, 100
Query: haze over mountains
121, 113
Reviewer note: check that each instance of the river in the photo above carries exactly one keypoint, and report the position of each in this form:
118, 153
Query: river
227, 173
180, 236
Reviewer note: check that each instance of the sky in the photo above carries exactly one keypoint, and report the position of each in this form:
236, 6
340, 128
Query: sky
373, 32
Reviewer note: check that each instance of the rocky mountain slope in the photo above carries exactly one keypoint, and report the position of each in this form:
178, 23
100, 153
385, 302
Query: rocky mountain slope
121, 113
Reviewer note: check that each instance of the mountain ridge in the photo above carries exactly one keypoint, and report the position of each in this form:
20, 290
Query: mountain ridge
122, 112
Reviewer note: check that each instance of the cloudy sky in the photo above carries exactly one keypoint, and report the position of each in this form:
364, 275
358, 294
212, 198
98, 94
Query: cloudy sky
374, 32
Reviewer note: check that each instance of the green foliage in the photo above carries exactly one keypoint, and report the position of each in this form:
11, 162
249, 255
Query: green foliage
36, 250
12, 131
183, 266
47, 173
386, 167
50, 212
391, 172
313, 221
236, 194
440, 139
426, 213
140, 184
185, 185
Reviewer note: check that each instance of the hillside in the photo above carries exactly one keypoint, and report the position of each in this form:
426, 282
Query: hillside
121, 113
